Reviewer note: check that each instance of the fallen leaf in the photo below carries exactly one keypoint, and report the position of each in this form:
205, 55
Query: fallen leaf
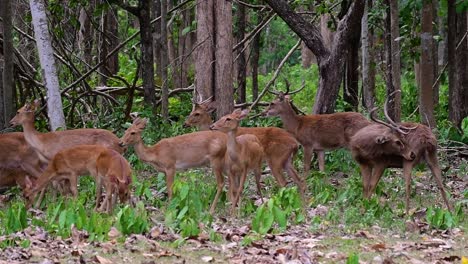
207, 259
378, 247
113, 233
102, 260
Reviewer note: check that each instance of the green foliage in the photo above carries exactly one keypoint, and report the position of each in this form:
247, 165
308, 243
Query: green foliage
284, 205
132, 220
14, 219
442, 219
353, 259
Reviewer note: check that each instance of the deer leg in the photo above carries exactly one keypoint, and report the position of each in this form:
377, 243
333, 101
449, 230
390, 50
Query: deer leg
276, 170
366, 172
375, 178
407, 168
218, 171
321, 159
169, 181
258, 175
291, 171
74, 185
307, 160
98, 190
433, 163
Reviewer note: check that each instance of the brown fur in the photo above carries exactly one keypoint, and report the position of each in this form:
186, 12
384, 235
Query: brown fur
317, 132
244, 153
418, 145
179, 153
106, 165
279, 146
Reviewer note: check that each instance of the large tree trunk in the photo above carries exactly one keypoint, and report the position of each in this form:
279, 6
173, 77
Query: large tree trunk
426, 100
241, 61
109, 40
7, 100
46, 58
395, 104
351, 87
368, 69
204, 54
164, 62
435, 59
457, 61
147, 53
330, 62
224, 58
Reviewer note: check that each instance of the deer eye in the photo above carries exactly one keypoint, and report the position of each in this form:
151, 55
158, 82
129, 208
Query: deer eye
132, 133
196, 114
228, 119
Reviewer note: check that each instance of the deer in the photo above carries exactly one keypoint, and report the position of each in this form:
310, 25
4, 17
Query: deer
182, 152
17, 160
46, 145
244, 153
316, 132
395, 145
279, 146
107, 166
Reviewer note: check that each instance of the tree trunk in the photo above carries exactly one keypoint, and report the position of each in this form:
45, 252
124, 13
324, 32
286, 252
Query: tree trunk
46, 58
435, 59
85, 36
241, 63
330, 62
157, 43
368, 69
351, 87
458, 64
254, 64
426, 100
204, 54
395, 104
164, 62
224, 58
109, 40
8, 66
147, 53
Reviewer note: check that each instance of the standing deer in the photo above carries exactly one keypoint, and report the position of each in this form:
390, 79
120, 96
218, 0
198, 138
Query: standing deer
106, 165
316, 132
46, 145
395, 145
244, 153
279, 146
179, 153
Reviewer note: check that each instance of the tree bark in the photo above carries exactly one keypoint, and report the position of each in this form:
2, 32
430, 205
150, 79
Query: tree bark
204, 54
109, 40
426, 101
351, 87
147, 53
157, 43
435, 59
241, 63
224, 58
330, 62
85, 39
8, 65
164, 62
368, 68
458, 64
46, 58
254, 64
395, 104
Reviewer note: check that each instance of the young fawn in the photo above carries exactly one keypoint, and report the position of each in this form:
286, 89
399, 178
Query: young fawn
316, 132
179, 153
279, 146
106, 165
244, 153
395, 145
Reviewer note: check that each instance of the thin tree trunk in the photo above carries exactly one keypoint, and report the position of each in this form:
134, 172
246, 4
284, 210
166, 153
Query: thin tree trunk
224, 58
254, 64
8, 66
157, 43
435, 59
368, 69
147, 53
395, 104
204, 54
164, 62
109, 40
241, 63
85, 39
388, 59
46, 58
426, 99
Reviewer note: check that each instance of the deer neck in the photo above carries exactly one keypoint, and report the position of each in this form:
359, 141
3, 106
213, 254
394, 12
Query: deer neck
233, 147
31, 135
142, 151
205, 125
290, 119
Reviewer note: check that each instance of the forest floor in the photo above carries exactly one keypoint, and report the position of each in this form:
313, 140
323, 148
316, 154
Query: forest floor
331, 232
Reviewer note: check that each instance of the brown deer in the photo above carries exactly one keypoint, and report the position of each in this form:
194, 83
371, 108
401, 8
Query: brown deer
279, 146
106, 165
46, 145
316, 132
395, 145
244, 153
179, 153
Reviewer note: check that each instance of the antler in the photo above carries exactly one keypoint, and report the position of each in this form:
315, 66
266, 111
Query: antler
287, 88
387, 116
391, 126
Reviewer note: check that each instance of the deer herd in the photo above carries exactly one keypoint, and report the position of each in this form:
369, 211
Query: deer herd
33, 160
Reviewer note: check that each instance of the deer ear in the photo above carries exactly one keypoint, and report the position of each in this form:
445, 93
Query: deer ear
381, 140
237, 112
36, 104
211, 106
243, 114
134, 115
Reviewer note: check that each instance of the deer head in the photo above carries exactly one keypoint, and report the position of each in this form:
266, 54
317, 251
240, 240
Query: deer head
230, 122
133, 133
25, 113
201, 114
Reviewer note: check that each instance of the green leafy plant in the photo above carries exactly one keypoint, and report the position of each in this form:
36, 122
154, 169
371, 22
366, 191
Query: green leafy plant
442, 219
132, 220
14, 219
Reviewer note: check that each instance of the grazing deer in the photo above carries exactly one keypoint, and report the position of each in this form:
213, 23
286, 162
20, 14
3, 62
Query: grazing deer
106, 165
395, 145
179, 153
279, 146
46, 145
244, 153
316, 132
